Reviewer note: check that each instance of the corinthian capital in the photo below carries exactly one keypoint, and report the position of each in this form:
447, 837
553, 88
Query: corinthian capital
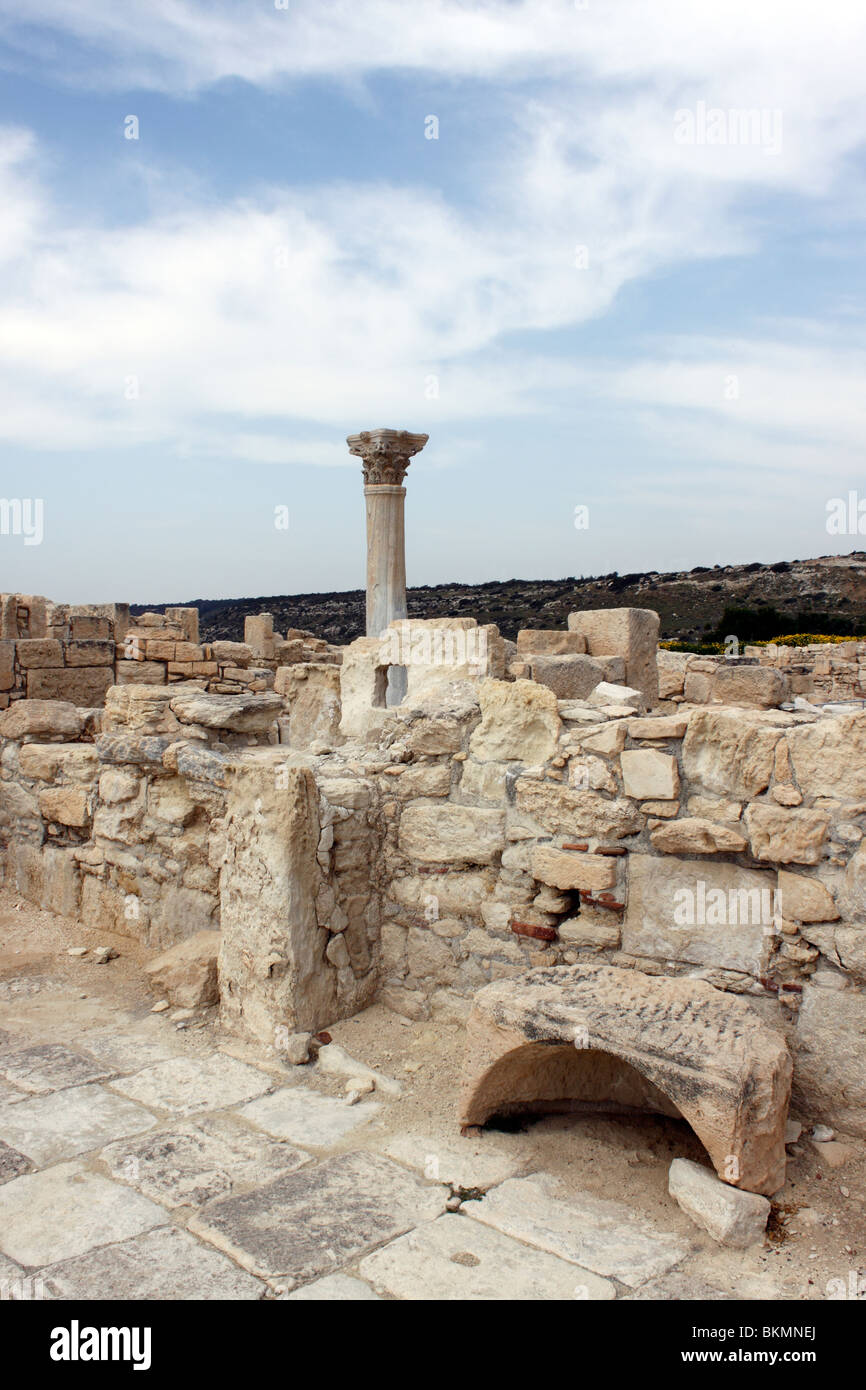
386, 454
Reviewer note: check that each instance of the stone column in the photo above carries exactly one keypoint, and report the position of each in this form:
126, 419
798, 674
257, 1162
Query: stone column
386, 455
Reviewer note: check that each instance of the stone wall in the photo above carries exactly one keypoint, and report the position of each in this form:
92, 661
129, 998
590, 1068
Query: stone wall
764, 677
350, 851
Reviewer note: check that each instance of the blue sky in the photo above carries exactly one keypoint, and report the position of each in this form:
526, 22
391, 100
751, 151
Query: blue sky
582, 299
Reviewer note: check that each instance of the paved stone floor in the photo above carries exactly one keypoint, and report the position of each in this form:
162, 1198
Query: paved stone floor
151, 1156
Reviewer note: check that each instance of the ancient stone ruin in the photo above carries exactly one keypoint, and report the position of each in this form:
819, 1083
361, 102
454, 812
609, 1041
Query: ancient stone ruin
638, 880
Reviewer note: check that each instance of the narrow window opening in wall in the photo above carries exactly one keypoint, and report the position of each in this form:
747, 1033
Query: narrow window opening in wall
389, 686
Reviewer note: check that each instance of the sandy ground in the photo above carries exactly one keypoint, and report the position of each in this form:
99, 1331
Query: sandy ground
817, 1231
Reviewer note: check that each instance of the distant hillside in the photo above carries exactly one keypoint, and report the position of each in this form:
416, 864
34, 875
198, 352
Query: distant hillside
827, 594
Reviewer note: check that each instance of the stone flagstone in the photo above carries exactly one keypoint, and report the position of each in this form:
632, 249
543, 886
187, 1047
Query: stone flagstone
590, 1231
461, 1162
457, 1259
187, 1167
50, 1067
323, 1216
334, 1288
188, 1084
51, 1216
306, 1117
163, 1264
70, 1122
12, 1163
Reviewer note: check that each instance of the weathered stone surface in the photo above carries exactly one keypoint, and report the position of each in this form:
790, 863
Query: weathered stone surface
631, 633
757, 686
615, 698
786, 836
575, 677
453, 1258
139, 708
50, 1067
694, 835
543, 1037
303, 1224
729, 753
590, 1231
89, 652
805, 899
650, 774
333, 1288
188, 1166
830, 1081
569, 870
519, 721
41, 717
829, 757
588, 932
550, 641
43, 761
460, 1161
305, 1117
272, 965
186, 974
706, 913
562, 810
658, 726
187, 1085
161, 1264
55, 1215
12, 1163
679, 1286
66, 805
733, 1218
609, 740
84, 686
70, 1122
129, 748
437, 834
238, 713
39, 651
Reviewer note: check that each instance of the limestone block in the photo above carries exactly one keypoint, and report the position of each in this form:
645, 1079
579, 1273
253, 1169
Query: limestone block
698, 687
186, 974
609, 740
443, 894
595, 1032
272, 966
759, 686
67, 805
484, 780
830, 1079
550, 641
434, 736
7, 665
733, 1218
631, 633
231, 653
185, 618
562, 810
89, 653
442, 834
17, 805
140, 672
168, 799
648, 774
730, 753
312, 692
693, 835
41, 717
715, 810
431, 780
575, 677
658, 726
117, 785
710, 914
786, 836
591, 773
362, 689
570, 870
38, 652
829, 757
672, 668
519, 721
77, 762
608, 694
805, 899
239, 713
590, 932
141, 709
